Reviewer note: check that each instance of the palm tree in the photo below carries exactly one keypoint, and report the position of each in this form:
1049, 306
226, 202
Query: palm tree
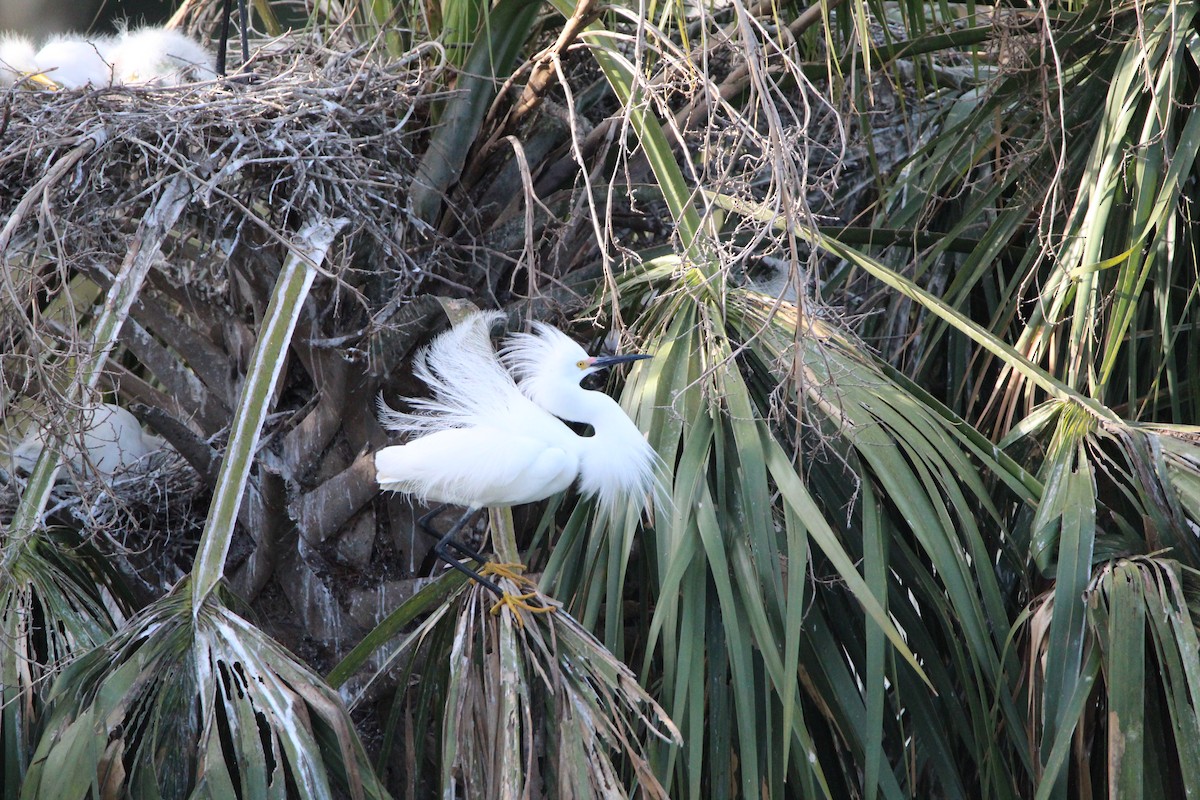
921, 286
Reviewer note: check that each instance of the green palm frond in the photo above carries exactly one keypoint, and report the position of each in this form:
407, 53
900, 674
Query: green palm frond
1077, 190
1115, 530
535, 700
759, 509
52, 608
174, 696
1137, 681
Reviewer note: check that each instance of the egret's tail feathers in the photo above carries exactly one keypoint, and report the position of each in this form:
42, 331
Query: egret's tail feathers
395, 420
394, 471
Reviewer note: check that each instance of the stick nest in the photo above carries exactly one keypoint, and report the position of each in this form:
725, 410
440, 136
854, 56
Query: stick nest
316, 133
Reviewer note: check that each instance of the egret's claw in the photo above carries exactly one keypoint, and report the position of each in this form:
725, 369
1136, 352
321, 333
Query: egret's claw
516, 603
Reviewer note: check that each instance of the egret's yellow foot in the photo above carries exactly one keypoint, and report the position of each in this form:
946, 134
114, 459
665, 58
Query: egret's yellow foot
516, 603
510, 571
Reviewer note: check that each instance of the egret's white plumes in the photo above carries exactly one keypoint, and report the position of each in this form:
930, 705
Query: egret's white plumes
159, 57
17, 58
111, 440
480, 441
467, 382
617, 463
74, 62
485, 441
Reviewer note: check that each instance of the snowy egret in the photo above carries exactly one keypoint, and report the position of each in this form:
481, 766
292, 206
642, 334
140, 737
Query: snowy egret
485, 440
111, 440
18, 62
159, 57
73, 62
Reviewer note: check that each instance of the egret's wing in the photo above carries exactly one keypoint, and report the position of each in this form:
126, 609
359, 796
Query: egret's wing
476, 467
469, 385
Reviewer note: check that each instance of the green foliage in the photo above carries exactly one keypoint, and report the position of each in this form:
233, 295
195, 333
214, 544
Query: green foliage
928, 514
744, 637
51, 610
202, 706
1075, 174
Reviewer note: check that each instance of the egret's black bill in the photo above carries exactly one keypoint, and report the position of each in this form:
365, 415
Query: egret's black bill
608, 361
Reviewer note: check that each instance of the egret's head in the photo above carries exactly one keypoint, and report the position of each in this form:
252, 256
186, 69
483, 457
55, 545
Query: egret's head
547, 361
595, 363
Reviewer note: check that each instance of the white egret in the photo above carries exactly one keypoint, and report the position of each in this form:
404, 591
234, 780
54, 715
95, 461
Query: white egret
18, 61
111, 440
73, 62
483, 440
159, 57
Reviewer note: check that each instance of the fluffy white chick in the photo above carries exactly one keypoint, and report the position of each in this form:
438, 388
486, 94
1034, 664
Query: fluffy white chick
73, 61
159, 57
111, 440
18, 61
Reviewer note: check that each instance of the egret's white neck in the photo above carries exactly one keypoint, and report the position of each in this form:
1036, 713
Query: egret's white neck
576, 404
616, 464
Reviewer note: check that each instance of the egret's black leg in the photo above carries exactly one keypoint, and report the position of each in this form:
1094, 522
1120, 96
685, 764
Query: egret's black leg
425, 523
447, 540
226, 12
466, 552
245, 31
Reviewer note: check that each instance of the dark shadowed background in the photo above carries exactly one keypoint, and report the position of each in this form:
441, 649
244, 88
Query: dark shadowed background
41, 17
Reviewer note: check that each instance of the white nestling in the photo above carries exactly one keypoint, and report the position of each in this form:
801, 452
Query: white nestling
149, 56
485, 439
18, 62
154, 56
73, 62
110, 441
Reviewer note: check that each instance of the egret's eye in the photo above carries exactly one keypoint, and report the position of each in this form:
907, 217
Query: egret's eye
582, 364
